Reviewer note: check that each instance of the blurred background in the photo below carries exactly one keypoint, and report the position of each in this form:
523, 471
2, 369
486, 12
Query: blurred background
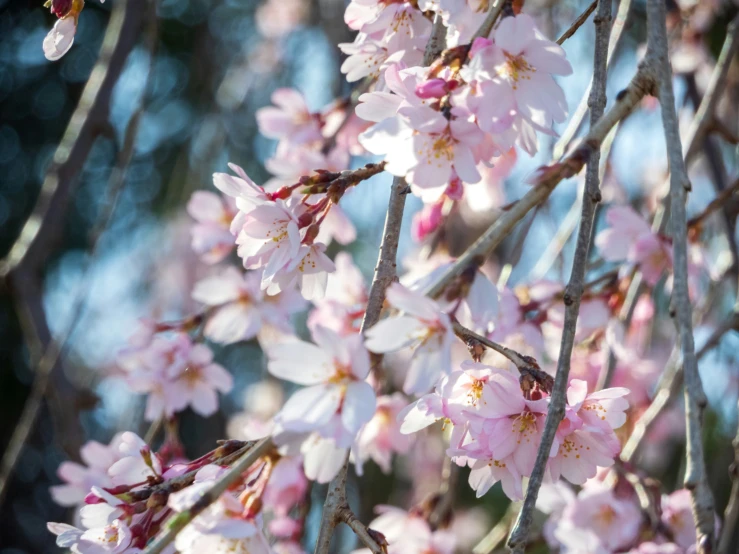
196, 76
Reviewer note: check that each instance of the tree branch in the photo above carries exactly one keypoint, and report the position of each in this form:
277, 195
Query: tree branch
579, 22
179, 521
575, 287
695, 400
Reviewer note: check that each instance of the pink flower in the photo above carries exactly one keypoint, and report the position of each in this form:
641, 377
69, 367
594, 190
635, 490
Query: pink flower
137, 462
211, 238
630, 238
423, 327
269, 238
308, 269
585, 438
598, 521
677, 515
239, 309
114, 538
79, 479
290, 119
287, 485
175, 373
338, 400
381, 436
197, 384
60, 38
346, 297
520, 58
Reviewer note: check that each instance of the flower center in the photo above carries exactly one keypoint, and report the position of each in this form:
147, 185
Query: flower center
515, 68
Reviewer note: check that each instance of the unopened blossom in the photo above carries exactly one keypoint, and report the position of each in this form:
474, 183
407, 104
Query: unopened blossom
629, 237
423, 327
239, 308
598, 521
211, 237
337, 400
287, 485
381, 436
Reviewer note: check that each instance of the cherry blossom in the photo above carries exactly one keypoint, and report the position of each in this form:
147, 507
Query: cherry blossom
239, 310
598, 521
79, 479
630, 238
290, 119
423, 327
175, 373
114, 538
380, 438
211, 238
60, 38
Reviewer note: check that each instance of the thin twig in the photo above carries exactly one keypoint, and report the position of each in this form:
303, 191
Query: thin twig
574, 290
175, 524
497, 535
577, 23
695, 400
705, 115
624, 7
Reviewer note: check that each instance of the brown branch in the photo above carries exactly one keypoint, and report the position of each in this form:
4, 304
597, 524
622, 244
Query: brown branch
583, 17
695, 400
715, 204
24, 264
487, 25
575, 287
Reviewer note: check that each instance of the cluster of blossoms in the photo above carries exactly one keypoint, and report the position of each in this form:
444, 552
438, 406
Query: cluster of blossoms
436, 127
496, 428
459, 122
602, 519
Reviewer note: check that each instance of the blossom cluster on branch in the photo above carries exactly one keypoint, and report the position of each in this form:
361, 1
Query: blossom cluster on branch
470, 367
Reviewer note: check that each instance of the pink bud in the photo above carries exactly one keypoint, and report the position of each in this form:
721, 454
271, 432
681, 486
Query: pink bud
455, 190
92, 498
433, 88
426, 221
479, 44
60, 8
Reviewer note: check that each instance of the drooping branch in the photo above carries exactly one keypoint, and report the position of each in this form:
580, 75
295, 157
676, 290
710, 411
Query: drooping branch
575, 286
695, 400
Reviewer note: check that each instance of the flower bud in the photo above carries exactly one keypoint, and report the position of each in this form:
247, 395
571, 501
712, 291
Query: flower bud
61, 8
433, 88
